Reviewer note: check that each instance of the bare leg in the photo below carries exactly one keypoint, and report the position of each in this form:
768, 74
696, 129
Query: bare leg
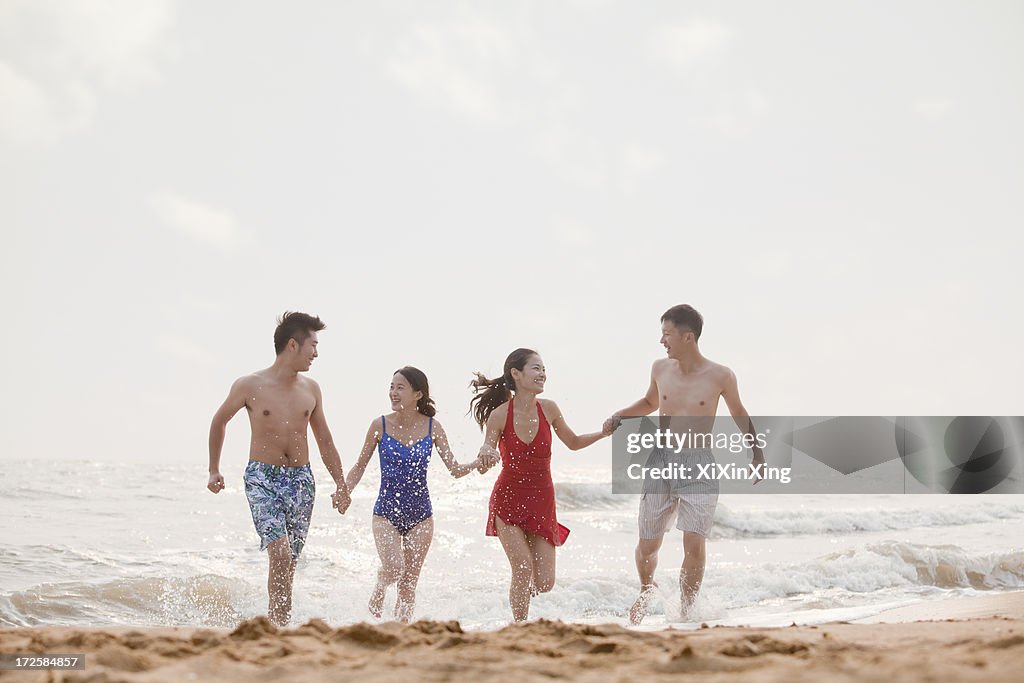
543, 578
415, 545
389, 548
520, 558
646, 562
279, 581
692, 572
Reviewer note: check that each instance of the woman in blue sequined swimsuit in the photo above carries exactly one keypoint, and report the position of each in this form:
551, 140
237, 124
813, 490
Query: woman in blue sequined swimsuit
403, 525
403, 499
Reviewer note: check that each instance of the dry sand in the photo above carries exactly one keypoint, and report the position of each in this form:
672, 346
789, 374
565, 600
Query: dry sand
966, 639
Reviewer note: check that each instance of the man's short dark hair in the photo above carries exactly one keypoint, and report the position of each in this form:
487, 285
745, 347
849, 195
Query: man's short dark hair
685, 317
297, 326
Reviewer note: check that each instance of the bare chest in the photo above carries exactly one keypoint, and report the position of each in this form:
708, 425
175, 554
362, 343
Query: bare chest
695, 395
280, 408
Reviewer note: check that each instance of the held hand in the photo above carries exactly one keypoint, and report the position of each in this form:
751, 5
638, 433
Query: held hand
488, 457
610, 425
216, 482
341, 499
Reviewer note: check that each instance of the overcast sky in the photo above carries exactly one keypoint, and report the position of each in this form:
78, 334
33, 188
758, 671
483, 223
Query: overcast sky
837, 186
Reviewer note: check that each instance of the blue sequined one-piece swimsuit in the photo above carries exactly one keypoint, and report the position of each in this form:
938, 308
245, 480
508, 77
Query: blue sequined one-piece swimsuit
404, 499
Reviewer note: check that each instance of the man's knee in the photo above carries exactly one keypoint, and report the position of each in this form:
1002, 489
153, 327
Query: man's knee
647, 549
693, 544
279, 551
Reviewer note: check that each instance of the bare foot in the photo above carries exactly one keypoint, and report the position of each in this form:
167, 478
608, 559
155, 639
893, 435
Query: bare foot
403, 612
639, 609
684, 609
376, 604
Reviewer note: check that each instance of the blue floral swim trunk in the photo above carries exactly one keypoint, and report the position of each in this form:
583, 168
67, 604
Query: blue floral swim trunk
281, 500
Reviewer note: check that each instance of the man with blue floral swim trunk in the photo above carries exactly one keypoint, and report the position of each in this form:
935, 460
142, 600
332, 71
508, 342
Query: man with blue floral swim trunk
281, 501
282, 406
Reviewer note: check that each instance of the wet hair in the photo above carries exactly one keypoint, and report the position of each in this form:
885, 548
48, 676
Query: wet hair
491, 393
418, 381
685, 317
297, 326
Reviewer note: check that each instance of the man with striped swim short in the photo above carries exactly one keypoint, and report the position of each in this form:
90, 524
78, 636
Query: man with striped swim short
282, 407
683, 385
689, 503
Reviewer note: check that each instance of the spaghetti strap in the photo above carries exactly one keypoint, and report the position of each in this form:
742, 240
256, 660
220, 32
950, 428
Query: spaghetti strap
383, 425
430, 427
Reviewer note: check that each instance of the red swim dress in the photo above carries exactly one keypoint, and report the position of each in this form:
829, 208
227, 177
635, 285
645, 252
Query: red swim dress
524, 495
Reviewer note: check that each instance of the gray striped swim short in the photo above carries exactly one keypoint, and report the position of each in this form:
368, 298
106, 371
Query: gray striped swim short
692, 500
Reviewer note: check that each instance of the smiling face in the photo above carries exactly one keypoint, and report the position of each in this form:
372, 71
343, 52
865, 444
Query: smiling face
305, 353
402, 394
676, 340
532, 377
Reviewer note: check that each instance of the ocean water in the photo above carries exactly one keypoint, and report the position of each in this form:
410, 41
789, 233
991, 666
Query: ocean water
90, 543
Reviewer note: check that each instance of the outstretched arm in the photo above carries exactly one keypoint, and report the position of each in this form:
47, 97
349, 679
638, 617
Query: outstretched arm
445, 451
731, 394
369, 444
566, 435
645, 406
329, 452
218, 428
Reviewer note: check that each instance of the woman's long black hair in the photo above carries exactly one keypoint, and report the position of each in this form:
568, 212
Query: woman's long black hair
491, 393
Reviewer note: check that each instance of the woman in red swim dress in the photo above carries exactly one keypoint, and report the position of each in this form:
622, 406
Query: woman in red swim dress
522, 508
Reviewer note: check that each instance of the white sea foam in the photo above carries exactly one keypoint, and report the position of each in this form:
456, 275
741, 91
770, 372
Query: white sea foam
834, 581
190, 558
801, 521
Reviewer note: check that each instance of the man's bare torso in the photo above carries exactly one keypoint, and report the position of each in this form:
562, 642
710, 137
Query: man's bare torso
279, 415
692, 394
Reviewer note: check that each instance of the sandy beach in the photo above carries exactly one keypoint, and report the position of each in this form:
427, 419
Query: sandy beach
964, 639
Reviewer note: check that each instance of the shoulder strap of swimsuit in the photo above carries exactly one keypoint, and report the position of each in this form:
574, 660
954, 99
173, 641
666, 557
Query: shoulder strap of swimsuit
430, 427
510, 422
383, 425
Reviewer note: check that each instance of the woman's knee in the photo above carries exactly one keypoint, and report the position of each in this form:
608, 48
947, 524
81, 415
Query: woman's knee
390, 571
408, 580
522, 571
544, 584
